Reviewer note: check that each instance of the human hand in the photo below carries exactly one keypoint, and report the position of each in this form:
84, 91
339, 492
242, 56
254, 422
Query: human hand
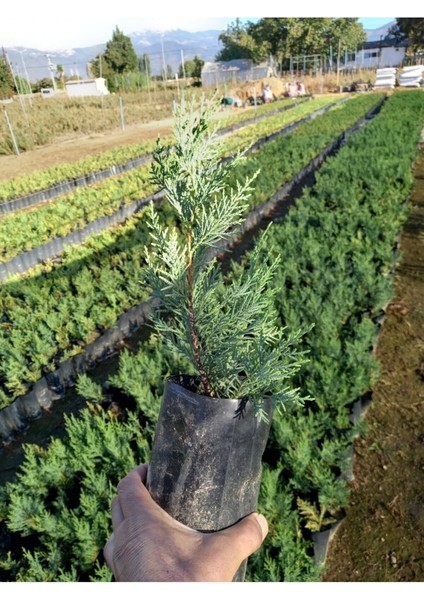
147, 544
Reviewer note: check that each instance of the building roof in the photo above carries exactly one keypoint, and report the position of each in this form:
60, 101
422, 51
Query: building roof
238, 64
77, 81
386, 43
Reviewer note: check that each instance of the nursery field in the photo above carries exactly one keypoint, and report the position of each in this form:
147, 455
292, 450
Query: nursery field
352, 175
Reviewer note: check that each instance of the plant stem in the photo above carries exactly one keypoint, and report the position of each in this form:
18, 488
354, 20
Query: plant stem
194, 336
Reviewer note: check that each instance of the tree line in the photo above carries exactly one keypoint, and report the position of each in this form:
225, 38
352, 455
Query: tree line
279, 37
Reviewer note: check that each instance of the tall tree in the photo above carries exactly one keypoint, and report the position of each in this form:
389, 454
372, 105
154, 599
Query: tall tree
198, 65
191, 68
144, 65
120, 55
98, 67
288, 36
282, 37
411, 29
238, 43
186, 69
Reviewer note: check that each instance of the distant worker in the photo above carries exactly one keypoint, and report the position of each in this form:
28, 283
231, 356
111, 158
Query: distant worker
227, 101
291, 90
267, 95
231, 101
300, 88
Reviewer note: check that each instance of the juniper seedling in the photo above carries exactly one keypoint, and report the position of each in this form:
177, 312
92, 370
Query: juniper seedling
226, 327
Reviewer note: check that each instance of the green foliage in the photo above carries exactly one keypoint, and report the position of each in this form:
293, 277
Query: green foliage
284, 37
315, 520
411, 29
141, 376
118, 58
59, 309
238, 42
285, 554
144, 65
6, 80
191, 68
90, 390
62, 498
119, 54
227, 331
337, 249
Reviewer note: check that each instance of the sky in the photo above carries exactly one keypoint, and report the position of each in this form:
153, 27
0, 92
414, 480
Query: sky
53, 25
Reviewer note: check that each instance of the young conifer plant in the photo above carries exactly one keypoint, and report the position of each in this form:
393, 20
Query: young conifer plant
225, 326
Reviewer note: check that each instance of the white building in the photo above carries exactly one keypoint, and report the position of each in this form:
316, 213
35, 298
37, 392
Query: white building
87, 87
375, 55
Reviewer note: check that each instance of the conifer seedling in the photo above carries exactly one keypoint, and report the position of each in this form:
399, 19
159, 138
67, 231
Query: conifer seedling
226, 326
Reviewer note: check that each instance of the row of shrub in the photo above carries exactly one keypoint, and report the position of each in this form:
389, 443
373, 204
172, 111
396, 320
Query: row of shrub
58, 308
46, 178
24, 230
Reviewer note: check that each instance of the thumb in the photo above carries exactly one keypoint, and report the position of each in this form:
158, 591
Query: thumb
246, 536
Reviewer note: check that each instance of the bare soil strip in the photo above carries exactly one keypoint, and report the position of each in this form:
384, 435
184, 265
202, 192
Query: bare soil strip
382, 537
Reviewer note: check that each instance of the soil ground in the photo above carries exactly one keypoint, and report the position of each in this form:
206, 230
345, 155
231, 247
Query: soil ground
382, 536
74, 149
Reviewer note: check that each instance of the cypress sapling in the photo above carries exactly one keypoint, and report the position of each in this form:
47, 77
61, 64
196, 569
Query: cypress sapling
205, 466
226, 327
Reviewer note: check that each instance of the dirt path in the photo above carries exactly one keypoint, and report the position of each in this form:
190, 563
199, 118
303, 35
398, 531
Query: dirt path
71, 150
382, 536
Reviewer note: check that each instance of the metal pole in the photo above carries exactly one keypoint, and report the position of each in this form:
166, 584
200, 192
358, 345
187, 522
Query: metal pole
51, 69
338, 63
9, 124
182, 64
121, 112
26, 76
15, 83
148, 78
163, 59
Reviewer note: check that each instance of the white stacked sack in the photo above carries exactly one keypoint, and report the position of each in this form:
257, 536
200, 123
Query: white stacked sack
411, 76
385, 78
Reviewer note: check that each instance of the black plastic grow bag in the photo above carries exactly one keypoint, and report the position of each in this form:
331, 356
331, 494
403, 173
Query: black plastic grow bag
206, 462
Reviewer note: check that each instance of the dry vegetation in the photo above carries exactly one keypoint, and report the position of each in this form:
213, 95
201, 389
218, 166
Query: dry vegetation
40, 121
47, 120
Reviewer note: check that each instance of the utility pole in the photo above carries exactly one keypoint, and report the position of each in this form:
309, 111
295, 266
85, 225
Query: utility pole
15, 83
338, 63
12, 135
51, 68
182, 64
146, 68
26, 75
163, 58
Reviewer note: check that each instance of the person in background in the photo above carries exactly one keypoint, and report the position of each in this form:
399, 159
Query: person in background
300, 88
291, 90
147, 544
267, 95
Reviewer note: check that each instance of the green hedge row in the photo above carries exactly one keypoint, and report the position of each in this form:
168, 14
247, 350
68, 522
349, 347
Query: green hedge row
52, 313
24, 230
41, 180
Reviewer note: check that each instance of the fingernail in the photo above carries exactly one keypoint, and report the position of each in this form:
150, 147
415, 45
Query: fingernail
263, 523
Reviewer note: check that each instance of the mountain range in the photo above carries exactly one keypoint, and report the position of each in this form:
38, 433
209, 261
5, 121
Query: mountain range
163, 47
